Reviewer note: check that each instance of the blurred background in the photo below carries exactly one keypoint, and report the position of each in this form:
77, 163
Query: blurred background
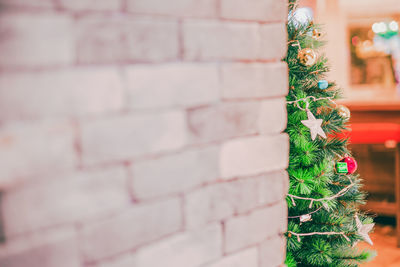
363, 47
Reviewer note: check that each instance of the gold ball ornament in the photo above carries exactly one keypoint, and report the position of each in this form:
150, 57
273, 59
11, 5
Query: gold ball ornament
343, 112
316, 34
307, 57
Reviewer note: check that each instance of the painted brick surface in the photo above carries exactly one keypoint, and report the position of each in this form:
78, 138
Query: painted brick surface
176, 8
196, 248
221, 201
125, 137
176, 85
128, 230
28, 3
254, 155
47, 249
120, 38
22, 37
253, 228
240, 81
84, 5
143, 133
220, 122
78, 92
205, 40
21, 143
270, 257
258, 10
248, 258
67, 199
201, 165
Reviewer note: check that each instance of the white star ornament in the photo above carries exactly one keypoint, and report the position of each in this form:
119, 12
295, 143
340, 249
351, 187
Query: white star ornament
364, 229
314, 125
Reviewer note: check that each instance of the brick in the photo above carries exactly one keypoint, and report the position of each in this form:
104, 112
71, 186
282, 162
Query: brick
254, 80
169, 174
126, 260
43, 250
98, 5
220, 122
139, 225
272, 187
181, 8
254, 155
102, 38
260, 10
123, 38
273, 41
205, 40
123, 137
65, 200
248, 258
251, 229
27, 150
176, 85
208, 204
273, 116
72, 92
220, 201
153, 39
189, 249
273, 257
35, 40
26, 3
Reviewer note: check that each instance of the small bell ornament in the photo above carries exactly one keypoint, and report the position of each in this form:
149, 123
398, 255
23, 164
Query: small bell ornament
343, 112
307, 57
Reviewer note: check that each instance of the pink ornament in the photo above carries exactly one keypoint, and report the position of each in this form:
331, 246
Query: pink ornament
351, 164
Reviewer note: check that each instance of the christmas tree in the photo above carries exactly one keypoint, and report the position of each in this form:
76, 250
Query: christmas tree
324, 220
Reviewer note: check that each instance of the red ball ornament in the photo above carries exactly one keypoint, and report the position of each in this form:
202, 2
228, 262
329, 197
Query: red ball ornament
351, 164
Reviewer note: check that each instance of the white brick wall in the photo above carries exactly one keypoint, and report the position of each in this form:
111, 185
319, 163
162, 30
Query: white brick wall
65, 199
254, 155
22, 37
21, 143
76, 92
128, 230
248, 258
254, 80
176, 85
124, 137
83, 5
253, 228
196, 248
205, 40
173, 171
260, 10
176, 8
143, 133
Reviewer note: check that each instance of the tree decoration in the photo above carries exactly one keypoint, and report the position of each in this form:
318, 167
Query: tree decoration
351, 164
324, 192
323, 84
307, 57
305, 218
364, 229
316, 34
341, 167
344, 112
314, 125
